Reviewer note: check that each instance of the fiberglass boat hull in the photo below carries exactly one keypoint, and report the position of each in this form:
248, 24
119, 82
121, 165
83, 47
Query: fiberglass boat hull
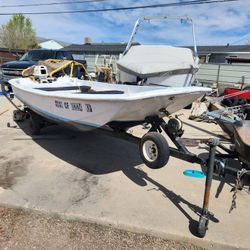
89, 111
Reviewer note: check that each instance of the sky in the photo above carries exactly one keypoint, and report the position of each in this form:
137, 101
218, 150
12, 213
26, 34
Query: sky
215, 24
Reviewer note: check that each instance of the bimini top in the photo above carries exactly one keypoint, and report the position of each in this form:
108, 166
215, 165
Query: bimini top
148, 60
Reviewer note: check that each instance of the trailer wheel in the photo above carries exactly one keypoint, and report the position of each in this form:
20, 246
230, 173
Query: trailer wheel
154, 150
203, 226
6, 87
18, 115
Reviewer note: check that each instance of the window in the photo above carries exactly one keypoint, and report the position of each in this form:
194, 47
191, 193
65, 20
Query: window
36, 55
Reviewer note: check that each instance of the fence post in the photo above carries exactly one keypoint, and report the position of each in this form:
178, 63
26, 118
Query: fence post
242, 82
218, 76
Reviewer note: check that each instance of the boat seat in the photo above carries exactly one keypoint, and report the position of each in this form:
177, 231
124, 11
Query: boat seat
88, 90
84, 89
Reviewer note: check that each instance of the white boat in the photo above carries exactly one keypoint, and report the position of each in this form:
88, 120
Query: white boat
158, 64
88, 105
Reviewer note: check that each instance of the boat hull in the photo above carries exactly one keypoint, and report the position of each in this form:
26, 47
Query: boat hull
95, 111
242, 142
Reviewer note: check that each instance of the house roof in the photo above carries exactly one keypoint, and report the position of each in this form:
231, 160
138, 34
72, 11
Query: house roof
98, 47
2, 49
120, 47
204, 50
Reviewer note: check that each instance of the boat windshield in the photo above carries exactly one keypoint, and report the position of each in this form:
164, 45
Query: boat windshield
36, 55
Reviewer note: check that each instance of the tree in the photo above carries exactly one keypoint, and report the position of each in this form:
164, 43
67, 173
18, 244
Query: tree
18, 33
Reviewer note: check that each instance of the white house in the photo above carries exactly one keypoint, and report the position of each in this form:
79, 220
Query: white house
46, 43
50, 44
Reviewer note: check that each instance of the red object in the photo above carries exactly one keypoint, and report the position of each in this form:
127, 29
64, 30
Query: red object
229, 91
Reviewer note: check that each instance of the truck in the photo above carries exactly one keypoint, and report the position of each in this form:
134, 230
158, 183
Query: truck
13, 69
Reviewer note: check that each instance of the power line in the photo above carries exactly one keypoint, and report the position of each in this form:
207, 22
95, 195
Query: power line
184, 3
47, 4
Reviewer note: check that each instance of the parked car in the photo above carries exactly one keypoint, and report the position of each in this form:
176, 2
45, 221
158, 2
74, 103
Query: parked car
14, 69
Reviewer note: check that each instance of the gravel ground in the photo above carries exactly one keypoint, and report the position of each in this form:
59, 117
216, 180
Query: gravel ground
22, 229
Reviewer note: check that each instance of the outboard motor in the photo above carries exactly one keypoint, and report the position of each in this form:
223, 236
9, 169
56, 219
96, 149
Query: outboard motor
41, 73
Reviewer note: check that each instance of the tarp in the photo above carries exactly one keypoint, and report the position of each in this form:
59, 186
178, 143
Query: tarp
155, 59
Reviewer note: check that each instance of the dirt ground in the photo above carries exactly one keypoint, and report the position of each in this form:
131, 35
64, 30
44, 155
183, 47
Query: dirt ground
22, 229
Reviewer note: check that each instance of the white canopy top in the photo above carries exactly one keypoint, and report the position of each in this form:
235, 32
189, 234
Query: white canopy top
145, 60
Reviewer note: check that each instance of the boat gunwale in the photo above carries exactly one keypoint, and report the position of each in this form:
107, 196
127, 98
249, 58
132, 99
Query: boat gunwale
154, 93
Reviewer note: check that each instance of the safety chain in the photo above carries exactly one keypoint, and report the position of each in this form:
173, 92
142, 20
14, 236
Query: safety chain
240, 173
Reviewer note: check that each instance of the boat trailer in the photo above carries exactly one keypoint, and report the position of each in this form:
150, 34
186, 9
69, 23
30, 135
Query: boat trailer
155, 151
215, 164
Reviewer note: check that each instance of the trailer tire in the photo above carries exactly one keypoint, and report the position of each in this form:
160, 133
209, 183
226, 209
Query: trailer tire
18, 115
154, 150
6, 87
203, 226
